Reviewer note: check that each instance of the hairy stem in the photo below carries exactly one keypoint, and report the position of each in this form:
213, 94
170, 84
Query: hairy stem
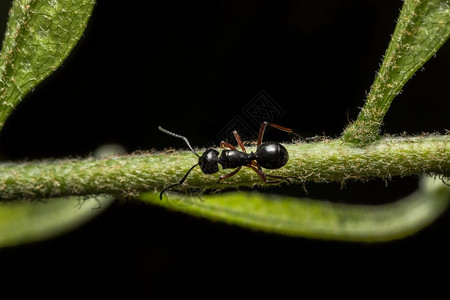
326, 160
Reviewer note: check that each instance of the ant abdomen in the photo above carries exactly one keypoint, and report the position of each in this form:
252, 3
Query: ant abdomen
272, 155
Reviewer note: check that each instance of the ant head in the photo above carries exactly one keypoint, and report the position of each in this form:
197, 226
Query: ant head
208, 162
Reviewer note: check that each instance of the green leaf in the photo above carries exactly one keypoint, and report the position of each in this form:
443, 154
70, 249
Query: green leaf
423, 27
318, 219
39, 36
23, 221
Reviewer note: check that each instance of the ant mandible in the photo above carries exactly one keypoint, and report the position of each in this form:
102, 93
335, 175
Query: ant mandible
267, 155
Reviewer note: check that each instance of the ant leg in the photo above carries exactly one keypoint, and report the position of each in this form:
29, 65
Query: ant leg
238, 139
261, 133
225, 145
255, 164
263, 128
177, 184
262, 175
280, 177
229, 174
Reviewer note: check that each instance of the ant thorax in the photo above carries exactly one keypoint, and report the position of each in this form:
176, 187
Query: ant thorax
232, 159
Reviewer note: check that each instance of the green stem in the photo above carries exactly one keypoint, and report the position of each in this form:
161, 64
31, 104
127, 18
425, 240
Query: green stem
326, 160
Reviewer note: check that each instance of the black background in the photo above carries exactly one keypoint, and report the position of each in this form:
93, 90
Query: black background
192, 67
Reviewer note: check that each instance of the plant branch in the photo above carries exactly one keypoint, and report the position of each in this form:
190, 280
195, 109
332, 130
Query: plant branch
128, 175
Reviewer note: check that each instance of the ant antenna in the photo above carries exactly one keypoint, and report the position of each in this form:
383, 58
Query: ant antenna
179, 136
176, 184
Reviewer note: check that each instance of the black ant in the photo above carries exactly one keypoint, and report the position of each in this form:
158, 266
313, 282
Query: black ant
267, 155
